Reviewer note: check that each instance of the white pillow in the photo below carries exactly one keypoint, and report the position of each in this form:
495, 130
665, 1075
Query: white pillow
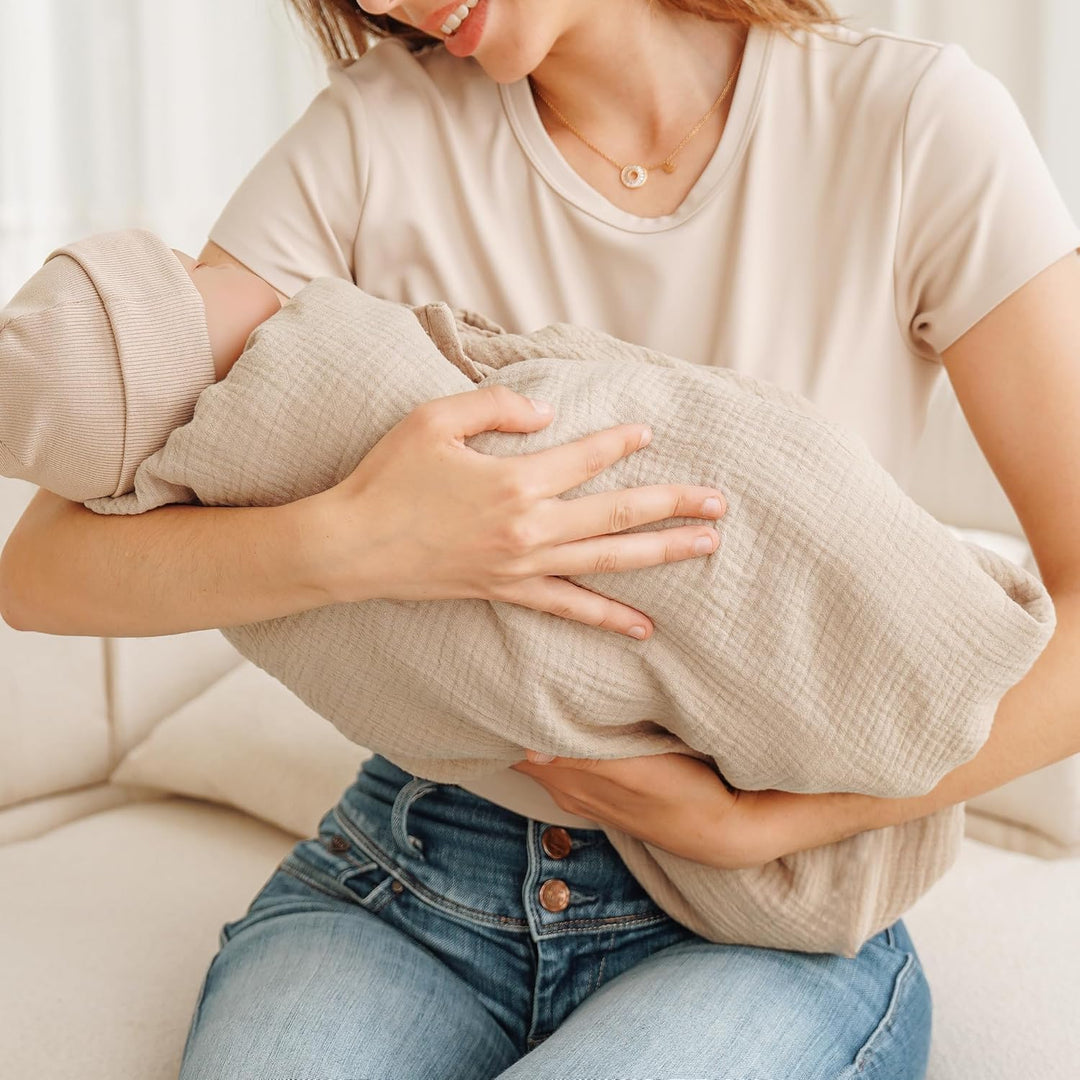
1039, 813
250, 743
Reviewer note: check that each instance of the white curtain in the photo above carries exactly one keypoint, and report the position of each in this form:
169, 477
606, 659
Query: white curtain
149, 112
117, 113
1030, 45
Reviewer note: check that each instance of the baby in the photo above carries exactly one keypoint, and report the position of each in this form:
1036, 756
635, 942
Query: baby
840, 639
105, 350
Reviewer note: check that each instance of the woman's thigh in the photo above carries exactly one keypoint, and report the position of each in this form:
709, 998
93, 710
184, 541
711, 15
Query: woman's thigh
308, 988
724, 1012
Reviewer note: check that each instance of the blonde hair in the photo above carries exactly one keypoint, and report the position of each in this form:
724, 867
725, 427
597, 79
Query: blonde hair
344, 32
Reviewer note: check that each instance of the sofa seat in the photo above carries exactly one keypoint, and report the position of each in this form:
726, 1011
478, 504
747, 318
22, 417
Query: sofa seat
107, 926
112, 920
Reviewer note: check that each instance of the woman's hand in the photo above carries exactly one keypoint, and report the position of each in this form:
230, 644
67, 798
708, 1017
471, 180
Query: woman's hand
680, 804
425, 517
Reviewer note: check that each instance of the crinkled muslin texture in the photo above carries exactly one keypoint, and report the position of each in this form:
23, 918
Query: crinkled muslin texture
840, 638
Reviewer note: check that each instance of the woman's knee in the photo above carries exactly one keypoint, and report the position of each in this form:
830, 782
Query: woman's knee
718, 1011
336, 994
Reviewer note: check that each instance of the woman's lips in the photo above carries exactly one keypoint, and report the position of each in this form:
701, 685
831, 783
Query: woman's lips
464, 42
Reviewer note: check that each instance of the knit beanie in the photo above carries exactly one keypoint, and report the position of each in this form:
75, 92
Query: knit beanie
103, 352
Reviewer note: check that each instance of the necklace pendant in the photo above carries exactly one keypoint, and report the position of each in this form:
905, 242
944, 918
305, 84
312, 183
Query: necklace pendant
633, 176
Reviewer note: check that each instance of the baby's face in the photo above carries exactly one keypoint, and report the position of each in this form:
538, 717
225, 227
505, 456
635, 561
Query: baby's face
236, 301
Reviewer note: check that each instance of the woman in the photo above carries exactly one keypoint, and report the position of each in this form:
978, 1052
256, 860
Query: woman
732, 181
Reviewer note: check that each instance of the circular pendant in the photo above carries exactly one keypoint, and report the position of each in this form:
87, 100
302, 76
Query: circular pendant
634, 176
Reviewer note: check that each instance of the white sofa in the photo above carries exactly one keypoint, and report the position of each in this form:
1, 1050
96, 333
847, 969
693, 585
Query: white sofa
148, 787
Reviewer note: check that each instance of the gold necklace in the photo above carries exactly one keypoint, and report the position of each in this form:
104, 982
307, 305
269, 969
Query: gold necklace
634, 176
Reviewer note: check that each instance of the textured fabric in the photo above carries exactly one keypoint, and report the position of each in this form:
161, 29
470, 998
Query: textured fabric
873, 195
84, 395
839, 640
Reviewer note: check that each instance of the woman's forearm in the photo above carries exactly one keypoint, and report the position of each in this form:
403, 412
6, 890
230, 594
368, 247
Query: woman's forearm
67, 570
1037, 724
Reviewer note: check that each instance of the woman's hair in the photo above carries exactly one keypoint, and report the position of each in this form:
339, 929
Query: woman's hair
344, 32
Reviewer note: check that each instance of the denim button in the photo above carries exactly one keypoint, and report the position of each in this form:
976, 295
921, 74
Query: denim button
555, 895
556, 842
397, 887
337, 843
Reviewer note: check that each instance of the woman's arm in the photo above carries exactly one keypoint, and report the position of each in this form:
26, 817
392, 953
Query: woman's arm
213, 255
67, 570
421, 517
1017, 377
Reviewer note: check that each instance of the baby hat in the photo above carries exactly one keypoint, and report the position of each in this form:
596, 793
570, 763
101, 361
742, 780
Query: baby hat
102, 353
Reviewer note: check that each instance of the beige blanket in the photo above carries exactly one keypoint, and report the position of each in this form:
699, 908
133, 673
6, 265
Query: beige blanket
840, 639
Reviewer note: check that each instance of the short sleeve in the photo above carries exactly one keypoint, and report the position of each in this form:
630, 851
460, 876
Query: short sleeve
980, 214
295, 216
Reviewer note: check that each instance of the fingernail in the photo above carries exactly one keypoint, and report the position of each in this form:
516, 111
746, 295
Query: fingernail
540, 759
646, 435
637, 631
703, 545
540, 406
712, 506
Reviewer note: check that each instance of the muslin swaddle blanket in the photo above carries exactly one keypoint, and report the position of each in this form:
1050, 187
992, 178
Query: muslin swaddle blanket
839, 639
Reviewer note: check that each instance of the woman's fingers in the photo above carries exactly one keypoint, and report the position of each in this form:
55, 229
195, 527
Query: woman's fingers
610, 554
423, 517
545, 473
560, 521
570, 601
490, 408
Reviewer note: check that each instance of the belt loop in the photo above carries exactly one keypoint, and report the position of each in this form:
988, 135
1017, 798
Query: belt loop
415, 789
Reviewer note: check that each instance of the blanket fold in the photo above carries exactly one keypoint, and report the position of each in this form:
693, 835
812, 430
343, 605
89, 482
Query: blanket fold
840, 638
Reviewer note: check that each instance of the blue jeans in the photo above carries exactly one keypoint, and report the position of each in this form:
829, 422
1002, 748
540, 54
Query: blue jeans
429, 934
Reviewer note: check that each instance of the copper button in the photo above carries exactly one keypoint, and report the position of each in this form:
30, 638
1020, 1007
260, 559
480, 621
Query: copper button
555, 895
555, 842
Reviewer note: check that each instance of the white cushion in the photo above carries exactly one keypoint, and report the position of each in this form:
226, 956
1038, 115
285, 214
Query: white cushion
54, 731
35, 817
151, 677
107, 927
999, 938
250, 743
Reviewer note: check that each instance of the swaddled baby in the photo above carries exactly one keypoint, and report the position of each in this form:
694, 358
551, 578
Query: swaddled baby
839, 640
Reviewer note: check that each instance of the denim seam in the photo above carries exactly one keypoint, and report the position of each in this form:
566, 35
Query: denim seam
284, 907
371, 848
354, 864
615, 922
374, 900
603, 961
453, 907
313, 876
869, 1047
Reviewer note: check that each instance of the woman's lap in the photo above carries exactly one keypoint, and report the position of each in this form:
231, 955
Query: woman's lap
737, 1013
371, 952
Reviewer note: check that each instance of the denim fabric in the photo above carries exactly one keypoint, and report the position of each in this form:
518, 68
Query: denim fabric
407, 941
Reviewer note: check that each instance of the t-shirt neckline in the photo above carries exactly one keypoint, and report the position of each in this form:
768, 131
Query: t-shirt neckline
544, 155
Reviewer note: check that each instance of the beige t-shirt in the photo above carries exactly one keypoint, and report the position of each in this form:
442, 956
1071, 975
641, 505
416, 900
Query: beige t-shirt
871, 198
